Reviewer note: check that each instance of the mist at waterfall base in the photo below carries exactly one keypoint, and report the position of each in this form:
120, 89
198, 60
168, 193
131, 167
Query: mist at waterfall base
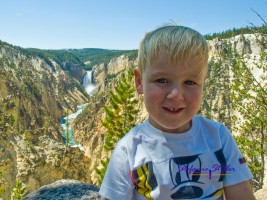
68, 136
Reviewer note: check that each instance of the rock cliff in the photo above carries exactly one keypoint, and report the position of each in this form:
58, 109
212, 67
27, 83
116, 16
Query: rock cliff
88, 126
104, 73
35, 92
218, 88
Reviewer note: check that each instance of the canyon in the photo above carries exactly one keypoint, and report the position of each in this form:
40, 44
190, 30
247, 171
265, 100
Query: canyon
37, 91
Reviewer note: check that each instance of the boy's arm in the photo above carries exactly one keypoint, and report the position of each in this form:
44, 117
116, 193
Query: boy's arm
239, 191
117, 182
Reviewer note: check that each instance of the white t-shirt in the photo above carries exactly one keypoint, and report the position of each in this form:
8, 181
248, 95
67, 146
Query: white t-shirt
150, 164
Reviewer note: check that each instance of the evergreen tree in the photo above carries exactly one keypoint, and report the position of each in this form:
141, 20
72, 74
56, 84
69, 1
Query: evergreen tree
237, 97
2, 187
6, 129
120, 115
249, 98
216, 97
19, 190
102, 170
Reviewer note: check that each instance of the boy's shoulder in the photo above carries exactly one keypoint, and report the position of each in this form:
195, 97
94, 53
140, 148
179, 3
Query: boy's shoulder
199, 123
135, 132
203, 121
202, 127
209, 126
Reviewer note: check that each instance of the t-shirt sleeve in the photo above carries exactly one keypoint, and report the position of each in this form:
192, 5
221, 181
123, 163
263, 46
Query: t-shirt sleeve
237, 169
117, 183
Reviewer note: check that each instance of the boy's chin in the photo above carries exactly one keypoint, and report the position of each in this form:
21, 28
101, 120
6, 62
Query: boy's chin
172, 128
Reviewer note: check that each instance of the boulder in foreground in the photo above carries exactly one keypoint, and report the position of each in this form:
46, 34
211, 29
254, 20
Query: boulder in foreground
65, 189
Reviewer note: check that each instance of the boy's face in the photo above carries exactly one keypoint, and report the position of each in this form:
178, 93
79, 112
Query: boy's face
172, 93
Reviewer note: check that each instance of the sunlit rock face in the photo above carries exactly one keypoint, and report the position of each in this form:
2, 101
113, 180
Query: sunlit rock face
249, 45
35, 93
108, 71
36, 153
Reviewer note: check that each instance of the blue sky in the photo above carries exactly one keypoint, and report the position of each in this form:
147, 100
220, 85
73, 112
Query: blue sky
115, 24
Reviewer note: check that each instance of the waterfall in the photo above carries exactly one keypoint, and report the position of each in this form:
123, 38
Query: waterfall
88, 83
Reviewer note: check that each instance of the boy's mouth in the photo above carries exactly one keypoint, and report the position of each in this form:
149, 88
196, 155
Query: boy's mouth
173, 110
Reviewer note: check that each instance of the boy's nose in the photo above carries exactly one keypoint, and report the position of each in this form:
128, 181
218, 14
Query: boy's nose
175, 93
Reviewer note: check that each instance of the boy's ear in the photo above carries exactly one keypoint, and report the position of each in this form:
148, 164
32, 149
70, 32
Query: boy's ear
138, 81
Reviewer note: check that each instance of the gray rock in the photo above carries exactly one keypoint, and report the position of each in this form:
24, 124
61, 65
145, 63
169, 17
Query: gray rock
65, 190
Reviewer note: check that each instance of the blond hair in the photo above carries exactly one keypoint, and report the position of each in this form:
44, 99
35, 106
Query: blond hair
178, 42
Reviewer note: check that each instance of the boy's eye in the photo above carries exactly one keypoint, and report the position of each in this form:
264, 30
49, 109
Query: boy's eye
188, 82
161, 80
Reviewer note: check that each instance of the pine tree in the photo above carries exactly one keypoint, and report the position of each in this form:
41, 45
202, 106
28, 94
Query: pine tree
101, 171
120, 115
19, 190
6, 128
2, 187
216, 97
249, 98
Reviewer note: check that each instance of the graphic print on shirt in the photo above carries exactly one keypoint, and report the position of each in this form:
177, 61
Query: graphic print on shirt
181, 176
186, 180
182, 173
144, 180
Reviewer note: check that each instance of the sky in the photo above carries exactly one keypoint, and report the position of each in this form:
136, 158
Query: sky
116, 24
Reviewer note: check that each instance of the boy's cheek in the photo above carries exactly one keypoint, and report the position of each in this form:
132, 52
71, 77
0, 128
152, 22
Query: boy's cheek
194, 97
152, 91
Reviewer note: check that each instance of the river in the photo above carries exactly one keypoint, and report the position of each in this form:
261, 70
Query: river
68, 136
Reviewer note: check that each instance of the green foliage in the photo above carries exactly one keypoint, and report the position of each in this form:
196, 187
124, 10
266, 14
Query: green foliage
31, 90
216, 104
6, 120
233, 32
19, 190
2, 187
2, 43
237, 97
98, 56
120, 115
63, 57
68, 58
249, 98
101, 171
252, 145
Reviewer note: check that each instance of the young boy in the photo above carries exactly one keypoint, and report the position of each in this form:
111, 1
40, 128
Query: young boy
175, 154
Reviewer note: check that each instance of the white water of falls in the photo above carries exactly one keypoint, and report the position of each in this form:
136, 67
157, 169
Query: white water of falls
88, 83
